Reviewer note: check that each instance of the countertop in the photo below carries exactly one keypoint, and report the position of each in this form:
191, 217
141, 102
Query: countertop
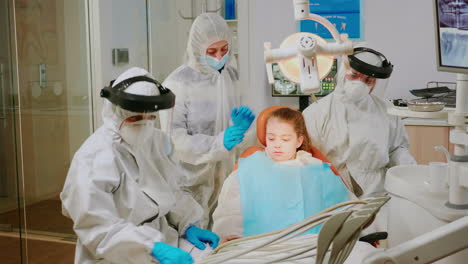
413, 121
411, 118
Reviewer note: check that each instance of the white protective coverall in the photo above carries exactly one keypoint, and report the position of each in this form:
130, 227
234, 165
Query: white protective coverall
356, 133
204, 100
121, 190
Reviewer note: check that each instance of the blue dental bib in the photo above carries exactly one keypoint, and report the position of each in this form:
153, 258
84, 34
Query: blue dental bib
275, 195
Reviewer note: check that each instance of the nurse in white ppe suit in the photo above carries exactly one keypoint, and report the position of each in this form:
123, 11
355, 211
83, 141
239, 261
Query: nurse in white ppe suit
352, 128
121, 189
207, 91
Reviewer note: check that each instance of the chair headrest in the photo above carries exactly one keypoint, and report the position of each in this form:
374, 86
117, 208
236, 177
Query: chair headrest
262, 121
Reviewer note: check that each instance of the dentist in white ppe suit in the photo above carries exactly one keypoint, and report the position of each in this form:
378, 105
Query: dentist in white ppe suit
352, 128
121, 189
208, 97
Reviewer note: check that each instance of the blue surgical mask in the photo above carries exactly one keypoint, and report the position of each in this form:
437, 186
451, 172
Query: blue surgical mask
215, 63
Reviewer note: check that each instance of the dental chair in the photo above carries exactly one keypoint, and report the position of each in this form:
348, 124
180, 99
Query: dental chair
373, 238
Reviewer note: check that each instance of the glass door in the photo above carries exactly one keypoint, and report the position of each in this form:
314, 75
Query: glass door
46, 109
44, 118
55, 116
10, 227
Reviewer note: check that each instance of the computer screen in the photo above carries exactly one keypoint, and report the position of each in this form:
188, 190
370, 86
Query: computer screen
451, 24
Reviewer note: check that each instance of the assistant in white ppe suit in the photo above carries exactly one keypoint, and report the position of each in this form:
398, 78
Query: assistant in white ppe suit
205, 97
352, 128
121, 190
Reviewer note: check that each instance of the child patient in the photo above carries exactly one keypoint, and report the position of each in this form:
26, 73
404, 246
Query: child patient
277, 187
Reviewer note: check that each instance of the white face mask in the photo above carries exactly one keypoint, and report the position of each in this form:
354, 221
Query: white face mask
356, 90
130, 134
138, 134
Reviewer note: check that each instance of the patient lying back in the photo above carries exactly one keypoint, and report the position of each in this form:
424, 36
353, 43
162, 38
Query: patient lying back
277, 187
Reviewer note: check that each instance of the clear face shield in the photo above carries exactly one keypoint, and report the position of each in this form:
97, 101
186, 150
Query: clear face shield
366, 72
138, 101
137, 129
151, 148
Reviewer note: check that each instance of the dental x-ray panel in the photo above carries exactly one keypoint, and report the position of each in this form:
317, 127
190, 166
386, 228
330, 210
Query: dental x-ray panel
451, 18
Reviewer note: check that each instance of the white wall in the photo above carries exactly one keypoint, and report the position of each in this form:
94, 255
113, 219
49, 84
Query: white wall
404, 31
268, 21
169, 34
400, 29
123, 25
169, 31
116, 24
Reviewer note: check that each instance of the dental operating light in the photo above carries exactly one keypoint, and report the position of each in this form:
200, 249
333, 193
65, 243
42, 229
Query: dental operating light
305, 58
290, 67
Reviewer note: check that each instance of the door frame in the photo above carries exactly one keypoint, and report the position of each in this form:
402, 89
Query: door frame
95, 64
14, 103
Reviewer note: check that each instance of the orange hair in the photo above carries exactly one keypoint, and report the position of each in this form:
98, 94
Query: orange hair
296, 119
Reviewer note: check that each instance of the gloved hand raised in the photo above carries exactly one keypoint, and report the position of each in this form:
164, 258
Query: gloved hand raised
242, 117
167, 254
233, 135
198, 237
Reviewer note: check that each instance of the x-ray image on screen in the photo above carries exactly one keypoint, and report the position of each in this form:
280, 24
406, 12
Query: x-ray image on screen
453, 33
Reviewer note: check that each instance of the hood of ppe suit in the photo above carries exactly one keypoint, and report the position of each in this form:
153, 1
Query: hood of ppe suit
113, 115
343, 127
210, 94
149, 145
207, 29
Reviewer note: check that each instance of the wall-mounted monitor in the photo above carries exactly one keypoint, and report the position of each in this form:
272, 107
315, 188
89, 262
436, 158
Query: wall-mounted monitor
451, 24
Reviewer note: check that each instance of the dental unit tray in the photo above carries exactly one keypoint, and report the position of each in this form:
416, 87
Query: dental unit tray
432, 91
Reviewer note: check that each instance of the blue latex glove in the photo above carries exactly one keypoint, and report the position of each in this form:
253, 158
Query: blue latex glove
233, 135
198, 237
242, 117
167, 254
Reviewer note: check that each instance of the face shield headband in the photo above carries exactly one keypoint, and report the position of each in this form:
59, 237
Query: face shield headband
138, 103
382, 72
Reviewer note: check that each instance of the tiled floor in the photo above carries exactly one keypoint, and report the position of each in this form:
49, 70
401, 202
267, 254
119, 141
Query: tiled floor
39, 251
50, 235
44, 216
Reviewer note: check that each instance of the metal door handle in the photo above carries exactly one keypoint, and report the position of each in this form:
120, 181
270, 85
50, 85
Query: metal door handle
191, 17
205, 8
